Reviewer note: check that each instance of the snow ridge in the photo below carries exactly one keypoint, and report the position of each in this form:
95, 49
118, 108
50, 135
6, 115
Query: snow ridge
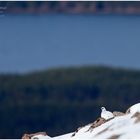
121, 126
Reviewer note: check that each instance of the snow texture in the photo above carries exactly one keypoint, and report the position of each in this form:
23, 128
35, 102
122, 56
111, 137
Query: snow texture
120, 127
135, 108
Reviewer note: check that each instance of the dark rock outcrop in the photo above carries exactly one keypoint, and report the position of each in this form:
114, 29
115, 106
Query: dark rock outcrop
137, 116
117, 113
29, 136
97, 123
114, 137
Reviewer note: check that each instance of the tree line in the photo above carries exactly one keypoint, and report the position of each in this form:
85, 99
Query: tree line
60, 100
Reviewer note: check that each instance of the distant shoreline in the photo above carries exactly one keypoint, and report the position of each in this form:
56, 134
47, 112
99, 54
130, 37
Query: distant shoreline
71, 7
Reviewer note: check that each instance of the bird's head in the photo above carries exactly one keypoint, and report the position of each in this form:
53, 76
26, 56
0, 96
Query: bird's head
103, 109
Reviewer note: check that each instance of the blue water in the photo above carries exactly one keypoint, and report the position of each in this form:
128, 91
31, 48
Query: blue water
29, 43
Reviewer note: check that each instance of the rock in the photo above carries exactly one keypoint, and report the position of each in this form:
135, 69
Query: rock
117, 113
76, 131
25, 137
127, 111
114, 137
137, 116
97, 123
30, 136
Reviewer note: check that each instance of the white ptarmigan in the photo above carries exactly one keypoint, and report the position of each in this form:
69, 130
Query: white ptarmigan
106, 114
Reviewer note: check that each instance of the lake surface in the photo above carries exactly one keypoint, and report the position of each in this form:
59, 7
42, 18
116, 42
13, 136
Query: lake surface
29, 43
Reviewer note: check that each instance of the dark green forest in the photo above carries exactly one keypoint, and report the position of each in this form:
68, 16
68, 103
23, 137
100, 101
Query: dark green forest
60, 100
123, 7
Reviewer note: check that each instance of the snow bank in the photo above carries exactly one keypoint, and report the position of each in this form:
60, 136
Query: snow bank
133, 109
125, 126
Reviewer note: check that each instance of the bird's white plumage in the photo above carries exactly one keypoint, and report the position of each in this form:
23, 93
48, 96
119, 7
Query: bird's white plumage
106, 114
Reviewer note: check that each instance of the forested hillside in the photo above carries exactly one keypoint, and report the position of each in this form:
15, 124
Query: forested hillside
60, 100
119, 7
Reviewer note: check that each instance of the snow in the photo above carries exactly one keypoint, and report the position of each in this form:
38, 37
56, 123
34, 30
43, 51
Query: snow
40, 137
122, 127
135, 108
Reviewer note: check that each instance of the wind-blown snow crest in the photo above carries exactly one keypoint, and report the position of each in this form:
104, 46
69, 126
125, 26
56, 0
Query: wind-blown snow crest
126, 126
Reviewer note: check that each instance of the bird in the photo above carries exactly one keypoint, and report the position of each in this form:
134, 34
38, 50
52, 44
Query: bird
106, 114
